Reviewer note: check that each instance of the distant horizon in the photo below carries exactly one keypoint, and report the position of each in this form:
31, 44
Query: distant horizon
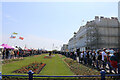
44, 24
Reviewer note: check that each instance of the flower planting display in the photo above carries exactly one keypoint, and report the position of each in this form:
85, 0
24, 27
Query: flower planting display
80, 69
35, 67
11, 60
47, 57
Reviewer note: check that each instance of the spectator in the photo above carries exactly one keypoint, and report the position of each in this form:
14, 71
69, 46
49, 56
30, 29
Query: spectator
71, 55
108, 61
103, 58
114, 60
118, 55
85, 57
18, 53
93, 58
75, 55
7, 53
12, 54
81, 57
15, 53
3, 54
90, 58
99, 58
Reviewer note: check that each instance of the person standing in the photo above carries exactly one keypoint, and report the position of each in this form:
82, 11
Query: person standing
90, 58
118, 55
108, 61
7, 53
104, 55
15, 53
50, 53
99, 58
93, 58
3, 54
70, 54
81, 57
12, 54
87, 56
75, 55
114, 61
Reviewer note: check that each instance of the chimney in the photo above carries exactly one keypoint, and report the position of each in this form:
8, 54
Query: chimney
88, 22
101, 17
112, 17
96, 17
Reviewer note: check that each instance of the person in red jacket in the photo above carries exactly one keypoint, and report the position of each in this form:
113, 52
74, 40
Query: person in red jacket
114, 61
18, 53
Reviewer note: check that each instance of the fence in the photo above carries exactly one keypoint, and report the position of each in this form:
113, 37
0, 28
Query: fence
0, 76
30, 75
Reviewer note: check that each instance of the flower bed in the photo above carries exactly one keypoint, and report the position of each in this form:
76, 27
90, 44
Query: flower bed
61, 56
36, 55
47, 57
35, 67
80, 69
11, 60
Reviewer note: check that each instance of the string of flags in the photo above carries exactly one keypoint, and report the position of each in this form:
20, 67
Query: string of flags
21, 38
13, 36
15, 33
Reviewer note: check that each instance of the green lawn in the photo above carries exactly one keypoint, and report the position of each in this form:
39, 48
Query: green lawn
54, 66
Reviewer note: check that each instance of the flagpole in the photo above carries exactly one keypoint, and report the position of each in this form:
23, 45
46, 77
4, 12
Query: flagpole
53, 47
15, 42
8, 41
82, 22
21, 38
14, 33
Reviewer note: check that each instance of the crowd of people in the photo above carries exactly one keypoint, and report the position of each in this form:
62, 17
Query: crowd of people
100, 59
19, 53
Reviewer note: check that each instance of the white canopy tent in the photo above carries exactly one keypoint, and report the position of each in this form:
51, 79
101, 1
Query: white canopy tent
1, 47
15, 47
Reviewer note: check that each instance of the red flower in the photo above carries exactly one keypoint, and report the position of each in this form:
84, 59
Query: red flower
35, 67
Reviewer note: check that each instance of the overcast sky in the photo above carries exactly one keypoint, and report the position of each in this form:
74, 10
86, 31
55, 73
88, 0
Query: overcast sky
43, 24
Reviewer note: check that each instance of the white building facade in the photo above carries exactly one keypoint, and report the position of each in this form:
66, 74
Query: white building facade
64, 48
99, 33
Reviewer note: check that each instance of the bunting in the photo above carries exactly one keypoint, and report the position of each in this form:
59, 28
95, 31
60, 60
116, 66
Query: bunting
15, 33
12, 36
21, 38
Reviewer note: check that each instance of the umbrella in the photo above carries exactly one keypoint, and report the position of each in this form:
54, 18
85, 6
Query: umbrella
6, 46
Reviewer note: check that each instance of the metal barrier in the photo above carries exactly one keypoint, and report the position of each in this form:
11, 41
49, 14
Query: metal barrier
0, 76
30, 75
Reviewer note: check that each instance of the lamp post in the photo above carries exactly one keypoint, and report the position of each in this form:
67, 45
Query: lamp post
75, 41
